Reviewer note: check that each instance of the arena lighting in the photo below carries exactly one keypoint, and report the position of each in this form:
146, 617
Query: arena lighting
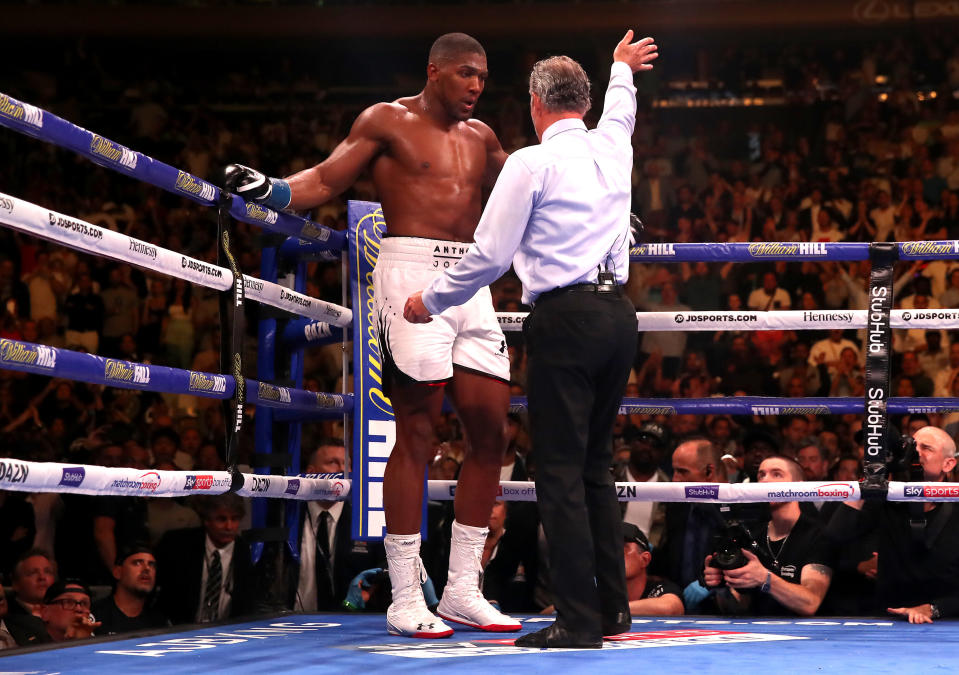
882, 79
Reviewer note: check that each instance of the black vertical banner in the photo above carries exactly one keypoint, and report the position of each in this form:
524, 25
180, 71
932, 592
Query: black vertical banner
883, 256
232, 330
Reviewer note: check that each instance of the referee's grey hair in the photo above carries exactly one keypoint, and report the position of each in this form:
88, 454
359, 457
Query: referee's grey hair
561, 84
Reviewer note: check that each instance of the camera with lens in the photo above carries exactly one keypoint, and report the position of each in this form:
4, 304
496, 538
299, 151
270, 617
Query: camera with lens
728, 543
902, 456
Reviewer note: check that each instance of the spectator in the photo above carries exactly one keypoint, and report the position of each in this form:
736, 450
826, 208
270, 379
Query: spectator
32, 576
328, 559
945, 376
646, 446
918, 549
509, 561
7, 641
17, 529
128, 608
794, 431
205, 574
829, 350
66, 611
795, 577
121, 309
85, 312
849, 379
690, 526
670, 344
14, 295
909, 367
648, 595
769, 296
759, 443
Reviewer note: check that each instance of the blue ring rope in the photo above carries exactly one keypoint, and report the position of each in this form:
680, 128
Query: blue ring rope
46, 126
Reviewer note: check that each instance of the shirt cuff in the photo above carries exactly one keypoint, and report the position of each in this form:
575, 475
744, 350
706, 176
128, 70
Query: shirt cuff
429, 300
621, 68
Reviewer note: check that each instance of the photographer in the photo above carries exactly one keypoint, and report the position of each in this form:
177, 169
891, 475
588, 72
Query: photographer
918, 550
787, 570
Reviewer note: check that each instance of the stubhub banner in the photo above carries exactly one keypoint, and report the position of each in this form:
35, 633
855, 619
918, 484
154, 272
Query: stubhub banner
374, 430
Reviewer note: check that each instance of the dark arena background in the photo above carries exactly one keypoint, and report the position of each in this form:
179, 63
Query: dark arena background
179, 368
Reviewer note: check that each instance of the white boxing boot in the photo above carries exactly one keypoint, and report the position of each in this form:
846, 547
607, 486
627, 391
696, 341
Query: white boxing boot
408, 614
463, 602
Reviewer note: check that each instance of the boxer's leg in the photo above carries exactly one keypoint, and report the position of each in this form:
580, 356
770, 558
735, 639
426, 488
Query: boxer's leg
480, 395
415, 407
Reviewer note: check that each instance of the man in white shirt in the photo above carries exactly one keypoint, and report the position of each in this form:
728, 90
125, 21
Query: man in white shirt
770, 296
828, 350
560, 214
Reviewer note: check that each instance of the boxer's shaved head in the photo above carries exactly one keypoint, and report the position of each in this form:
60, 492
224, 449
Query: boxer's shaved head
451, 45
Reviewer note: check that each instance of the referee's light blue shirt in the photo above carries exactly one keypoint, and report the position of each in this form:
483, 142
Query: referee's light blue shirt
559, 211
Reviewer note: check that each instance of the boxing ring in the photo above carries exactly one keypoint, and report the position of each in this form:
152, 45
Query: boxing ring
295, 321
331, 643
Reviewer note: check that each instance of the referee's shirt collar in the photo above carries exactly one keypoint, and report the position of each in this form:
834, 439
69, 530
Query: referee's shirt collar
562, 125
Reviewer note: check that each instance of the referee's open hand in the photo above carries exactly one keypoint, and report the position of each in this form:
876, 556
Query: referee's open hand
415, 311
637, 55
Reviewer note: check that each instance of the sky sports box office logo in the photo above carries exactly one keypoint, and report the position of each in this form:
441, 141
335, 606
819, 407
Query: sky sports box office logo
931, 491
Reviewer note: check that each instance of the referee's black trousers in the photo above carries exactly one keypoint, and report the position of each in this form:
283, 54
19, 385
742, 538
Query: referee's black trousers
580, 347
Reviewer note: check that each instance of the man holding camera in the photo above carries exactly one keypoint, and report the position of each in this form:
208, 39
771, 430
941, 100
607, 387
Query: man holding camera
918, 551
786, 569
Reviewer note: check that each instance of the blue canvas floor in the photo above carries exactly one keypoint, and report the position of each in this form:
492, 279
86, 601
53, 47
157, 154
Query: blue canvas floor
331, 643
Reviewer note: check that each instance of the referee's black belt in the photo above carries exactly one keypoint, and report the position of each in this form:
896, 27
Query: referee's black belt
613, 289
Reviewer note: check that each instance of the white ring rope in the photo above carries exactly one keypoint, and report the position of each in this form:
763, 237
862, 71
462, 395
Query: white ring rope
947, 319
83, 236
87, 479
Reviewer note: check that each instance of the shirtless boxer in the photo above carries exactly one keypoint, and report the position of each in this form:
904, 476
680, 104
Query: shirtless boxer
430, 163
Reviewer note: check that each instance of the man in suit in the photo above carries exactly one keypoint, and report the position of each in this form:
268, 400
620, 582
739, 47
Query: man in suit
328, 558
205, 573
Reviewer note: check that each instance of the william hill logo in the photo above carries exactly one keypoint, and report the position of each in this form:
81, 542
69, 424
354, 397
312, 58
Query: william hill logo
646, 410
113, 152
930, 247
324, 400
191, 185
260, 213
764, 249
123, 371
26, 354
21, 112
214, 384
270, 392
655, 249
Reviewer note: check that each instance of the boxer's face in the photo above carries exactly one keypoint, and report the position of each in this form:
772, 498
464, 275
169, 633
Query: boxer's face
460, 81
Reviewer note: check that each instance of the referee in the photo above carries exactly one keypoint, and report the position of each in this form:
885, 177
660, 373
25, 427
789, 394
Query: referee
560, 214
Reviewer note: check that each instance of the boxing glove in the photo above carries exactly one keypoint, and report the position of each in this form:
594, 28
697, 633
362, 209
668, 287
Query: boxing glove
254, 186
637, 230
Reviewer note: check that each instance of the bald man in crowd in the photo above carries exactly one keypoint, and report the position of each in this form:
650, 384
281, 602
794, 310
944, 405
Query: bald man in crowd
689, 526
918, 556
